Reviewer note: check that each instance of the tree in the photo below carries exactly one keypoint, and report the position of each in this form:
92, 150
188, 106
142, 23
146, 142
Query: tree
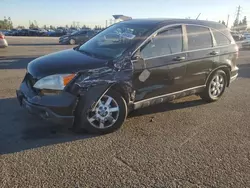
10, 24
45, 27
20, 27
35, 23
219, 21
6, 23
51, 27
32, 25
85, 27
244, 21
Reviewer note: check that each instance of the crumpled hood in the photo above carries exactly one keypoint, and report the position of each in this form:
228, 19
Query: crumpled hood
63, 62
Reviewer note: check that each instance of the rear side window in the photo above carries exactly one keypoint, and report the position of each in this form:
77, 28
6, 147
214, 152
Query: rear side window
198, 37
166, 42
221, 39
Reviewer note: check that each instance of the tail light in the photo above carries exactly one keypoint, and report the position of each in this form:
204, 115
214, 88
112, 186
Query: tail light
1, 36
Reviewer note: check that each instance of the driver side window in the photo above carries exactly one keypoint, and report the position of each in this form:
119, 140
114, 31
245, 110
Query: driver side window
166, 42
83, 33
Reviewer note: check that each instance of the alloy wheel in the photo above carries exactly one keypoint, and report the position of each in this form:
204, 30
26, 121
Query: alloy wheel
72, 41
105, 114
216, 86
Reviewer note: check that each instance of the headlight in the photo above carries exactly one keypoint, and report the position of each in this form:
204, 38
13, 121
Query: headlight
54, 82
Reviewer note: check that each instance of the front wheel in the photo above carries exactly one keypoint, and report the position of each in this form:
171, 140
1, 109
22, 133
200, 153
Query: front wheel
215, 86
108, 115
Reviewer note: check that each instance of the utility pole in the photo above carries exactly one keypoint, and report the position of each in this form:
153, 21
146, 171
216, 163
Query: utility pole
110, 22
238, 14
228, 19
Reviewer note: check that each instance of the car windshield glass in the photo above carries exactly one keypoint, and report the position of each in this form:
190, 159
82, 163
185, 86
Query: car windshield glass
75, 32
113, 41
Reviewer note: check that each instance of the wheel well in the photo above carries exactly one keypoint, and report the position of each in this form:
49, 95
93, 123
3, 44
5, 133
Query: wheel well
122, 91
226, 70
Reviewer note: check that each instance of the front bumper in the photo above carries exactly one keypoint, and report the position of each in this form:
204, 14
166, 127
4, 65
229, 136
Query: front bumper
58, 108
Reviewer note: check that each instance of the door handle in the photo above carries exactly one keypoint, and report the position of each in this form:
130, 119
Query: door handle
214, 53
179, 58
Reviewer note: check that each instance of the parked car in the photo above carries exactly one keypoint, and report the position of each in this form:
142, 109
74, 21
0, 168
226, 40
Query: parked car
3, 41
12, 32
77, 37
237, 36
50, 32
246, 43
130, 65
4, 31
58, 33
23, 32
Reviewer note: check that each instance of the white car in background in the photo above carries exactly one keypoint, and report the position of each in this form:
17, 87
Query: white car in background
3, 41
246, 42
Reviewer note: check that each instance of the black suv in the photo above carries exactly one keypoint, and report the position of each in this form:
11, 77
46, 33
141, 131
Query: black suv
77, 37
130, 65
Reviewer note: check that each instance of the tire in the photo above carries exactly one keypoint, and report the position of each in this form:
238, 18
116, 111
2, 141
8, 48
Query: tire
215, 87
84, 119
72, 41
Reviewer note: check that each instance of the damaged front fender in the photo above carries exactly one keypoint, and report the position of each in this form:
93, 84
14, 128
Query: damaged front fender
91, 85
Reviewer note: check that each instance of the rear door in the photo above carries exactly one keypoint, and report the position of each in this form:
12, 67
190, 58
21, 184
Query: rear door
165, 60
200, 55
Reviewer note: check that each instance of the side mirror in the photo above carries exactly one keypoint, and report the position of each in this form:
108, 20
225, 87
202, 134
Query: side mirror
136, 57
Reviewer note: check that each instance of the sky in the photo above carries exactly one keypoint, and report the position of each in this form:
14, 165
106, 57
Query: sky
96, 12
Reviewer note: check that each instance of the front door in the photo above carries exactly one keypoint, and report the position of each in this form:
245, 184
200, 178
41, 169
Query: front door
163, 65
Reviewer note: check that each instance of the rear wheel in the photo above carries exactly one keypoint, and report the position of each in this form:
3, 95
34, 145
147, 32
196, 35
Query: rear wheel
72, 41
108, 115
215, 86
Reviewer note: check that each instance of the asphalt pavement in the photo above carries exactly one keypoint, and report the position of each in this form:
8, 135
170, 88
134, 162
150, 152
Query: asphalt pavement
184, 143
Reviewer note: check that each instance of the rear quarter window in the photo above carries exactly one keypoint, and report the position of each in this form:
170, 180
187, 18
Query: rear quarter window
221, 39
198, 37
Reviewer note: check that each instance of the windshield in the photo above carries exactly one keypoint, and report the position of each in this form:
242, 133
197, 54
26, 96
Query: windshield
75, 32
112, 42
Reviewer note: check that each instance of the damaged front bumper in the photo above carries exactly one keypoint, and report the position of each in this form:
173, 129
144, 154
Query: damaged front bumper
58, 108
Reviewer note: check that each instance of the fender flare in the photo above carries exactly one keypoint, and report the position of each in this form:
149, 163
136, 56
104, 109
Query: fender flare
225, 68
